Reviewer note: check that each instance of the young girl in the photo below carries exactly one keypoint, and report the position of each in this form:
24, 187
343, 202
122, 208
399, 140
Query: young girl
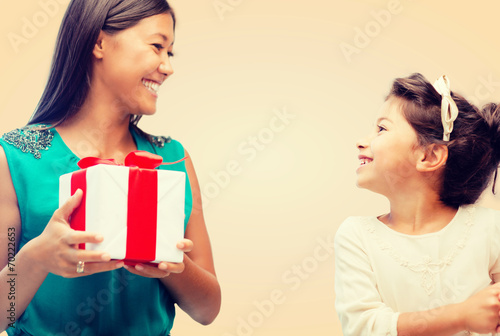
111, 58
429, 266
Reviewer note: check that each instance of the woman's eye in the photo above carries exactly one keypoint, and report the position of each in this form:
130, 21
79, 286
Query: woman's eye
158, 46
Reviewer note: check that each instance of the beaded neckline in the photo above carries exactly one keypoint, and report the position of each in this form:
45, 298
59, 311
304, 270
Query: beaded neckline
30, 139
426, 267
160, 141
34, 139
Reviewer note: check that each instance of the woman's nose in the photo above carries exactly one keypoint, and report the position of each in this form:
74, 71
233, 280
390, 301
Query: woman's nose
166, 67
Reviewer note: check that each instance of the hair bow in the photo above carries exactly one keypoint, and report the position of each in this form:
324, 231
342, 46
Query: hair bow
449, 109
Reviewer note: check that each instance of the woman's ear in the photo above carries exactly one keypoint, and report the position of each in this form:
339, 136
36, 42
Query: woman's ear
432, 158
98, 51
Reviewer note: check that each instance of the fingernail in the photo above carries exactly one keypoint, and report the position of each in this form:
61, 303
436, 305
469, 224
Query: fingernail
99, 237
139, 267
163, 267
106, 257
120, 264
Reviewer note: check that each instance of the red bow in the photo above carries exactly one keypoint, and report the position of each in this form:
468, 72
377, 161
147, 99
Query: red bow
141, 159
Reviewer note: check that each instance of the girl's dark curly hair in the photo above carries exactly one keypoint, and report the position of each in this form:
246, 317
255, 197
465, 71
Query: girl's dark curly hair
474, 146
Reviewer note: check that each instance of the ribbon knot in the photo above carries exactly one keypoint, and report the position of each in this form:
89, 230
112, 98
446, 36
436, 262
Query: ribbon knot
449, 109
140, 159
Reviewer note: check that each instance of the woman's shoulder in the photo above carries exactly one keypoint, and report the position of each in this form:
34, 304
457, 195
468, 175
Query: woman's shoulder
166, 143
32, 139
157, 141
170, 149
160, 141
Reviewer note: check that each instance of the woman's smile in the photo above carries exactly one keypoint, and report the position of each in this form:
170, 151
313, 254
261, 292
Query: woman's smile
151, 86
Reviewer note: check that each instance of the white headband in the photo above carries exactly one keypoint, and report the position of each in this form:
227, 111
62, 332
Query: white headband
449, 110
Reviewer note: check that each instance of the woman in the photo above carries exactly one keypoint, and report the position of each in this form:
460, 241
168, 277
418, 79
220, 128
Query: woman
111, 58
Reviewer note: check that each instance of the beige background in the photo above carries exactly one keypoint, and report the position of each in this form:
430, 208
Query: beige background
289, 190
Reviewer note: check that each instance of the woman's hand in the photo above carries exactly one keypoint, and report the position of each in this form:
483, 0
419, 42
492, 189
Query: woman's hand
164, 268
56, 249
481, 312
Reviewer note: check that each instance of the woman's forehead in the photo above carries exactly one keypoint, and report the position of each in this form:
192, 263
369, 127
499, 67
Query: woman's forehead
161, 26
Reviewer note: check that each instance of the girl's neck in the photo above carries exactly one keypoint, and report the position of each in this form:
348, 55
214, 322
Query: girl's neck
418, 215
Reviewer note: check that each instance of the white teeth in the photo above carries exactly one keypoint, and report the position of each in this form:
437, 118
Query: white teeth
152, 86
364, 161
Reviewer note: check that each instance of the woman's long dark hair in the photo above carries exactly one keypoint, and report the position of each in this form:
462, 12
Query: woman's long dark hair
70, 74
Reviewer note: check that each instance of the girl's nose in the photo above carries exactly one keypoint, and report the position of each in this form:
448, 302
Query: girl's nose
362, 143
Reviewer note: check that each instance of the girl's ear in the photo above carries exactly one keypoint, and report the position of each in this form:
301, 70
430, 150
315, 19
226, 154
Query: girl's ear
98, 51
432, 158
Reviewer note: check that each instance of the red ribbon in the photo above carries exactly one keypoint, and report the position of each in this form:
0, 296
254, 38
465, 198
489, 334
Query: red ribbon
141, 206
79, 181
140, 159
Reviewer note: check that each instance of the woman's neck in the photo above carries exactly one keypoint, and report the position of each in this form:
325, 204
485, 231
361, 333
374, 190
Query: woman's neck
97, 130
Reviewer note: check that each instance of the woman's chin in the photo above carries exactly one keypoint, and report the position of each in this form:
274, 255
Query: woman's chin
147, 111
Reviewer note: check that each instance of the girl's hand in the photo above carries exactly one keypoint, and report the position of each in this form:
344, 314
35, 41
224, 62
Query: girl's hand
481, 311
56, 249
164, 268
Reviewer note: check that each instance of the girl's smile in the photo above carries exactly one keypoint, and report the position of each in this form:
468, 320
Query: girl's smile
387, 155
363, 160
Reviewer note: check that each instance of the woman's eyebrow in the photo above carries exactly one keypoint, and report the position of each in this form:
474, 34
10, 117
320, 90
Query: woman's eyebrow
163, 36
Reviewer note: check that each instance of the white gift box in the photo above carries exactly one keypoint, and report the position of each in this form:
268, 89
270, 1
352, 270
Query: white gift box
107, 191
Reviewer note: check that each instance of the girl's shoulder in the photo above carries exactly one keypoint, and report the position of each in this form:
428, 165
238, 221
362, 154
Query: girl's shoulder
357, 221
355, 227
470, 214
486, 216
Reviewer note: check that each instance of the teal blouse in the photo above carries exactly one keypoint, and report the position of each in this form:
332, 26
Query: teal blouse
110, 303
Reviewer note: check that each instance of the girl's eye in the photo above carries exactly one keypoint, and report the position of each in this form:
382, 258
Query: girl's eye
381, 128
158, 46
170, 54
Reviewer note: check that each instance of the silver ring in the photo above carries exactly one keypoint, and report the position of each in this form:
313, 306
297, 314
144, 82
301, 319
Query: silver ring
80, 267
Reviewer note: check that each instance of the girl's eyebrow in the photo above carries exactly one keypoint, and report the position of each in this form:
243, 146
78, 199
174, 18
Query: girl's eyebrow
383, 118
